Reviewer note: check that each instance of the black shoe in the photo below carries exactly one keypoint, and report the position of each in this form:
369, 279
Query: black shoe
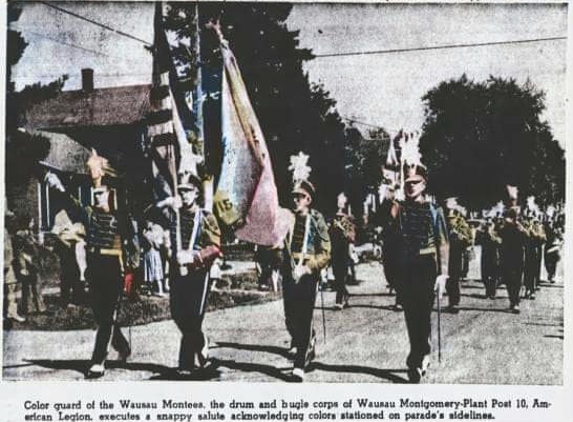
297, 375
453, 309
398, 307
124, 353
425, 365
414, 375
17, 318
96, 371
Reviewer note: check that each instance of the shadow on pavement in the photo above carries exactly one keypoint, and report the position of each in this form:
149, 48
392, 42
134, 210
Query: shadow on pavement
281, 351
21, 365
171, 374
77, 365
81, 366
543, 324
474, 295
383, 307
387, 374
282, 374
462, 308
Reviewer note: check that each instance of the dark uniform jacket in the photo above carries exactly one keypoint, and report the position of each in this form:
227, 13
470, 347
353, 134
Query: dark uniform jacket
318, 250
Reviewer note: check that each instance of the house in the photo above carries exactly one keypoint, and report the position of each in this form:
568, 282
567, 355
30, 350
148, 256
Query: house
111, 120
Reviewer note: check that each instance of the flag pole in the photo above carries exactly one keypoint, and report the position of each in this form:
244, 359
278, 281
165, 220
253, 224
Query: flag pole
162, 78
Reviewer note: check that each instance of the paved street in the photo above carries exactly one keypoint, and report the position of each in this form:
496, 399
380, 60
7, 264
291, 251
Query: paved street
483, 344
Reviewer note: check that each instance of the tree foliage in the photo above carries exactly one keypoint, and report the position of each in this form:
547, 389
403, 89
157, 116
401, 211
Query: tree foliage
295, 115
480, 136
365, 157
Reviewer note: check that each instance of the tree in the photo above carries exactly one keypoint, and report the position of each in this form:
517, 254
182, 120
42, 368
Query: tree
23, 150
364, 158
295, 115
480, 136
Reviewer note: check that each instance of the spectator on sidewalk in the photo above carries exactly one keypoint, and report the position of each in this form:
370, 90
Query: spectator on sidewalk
10, 281
28, 266
152, 243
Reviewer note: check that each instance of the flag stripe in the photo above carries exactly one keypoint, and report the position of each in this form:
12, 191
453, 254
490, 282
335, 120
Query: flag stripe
158, 93
164, 140
159, 117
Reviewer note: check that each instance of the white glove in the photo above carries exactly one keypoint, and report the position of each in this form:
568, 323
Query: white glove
186, 257
440, 285
172, 201
300, 270
54, 182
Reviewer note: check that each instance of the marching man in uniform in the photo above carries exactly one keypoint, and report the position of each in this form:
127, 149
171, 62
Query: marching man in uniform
342, 236
111, 252
513, 236
460, 236
307, 253
193, 254
424, 250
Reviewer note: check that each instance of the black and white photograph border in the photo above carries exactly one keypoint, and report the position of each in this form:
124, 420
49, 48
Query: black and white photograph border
330, 146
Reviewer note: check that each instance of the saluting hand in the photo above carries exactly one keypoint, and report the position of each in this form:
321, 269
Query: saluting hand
172, 201
54, 182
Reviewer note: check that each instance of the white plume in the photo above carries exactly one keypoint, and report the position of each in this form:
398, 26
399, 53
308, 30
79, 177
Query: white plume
411, 149
299, 167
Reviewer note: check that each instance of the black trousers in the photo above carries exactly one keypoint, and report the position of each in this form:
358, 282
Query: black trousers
299, 301
340, 266
513, 277
537, 274
392, 271
417, 295
72, 289
551, 260
455, 273
490, 269
104, 277
188, 300
530, 267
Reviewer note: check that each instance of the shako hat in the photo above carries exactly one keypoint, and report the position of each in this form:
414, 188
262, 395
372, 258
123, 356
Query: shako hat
304, 187
415, 172
188, 181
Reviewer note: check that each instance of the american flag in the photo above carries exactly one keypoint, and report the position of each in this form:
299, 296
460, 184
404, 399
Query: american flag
170, 120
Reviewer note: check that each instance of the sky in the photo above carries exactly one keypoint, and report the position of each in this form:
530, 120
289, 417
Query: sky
383, 89
62, 44
386, 89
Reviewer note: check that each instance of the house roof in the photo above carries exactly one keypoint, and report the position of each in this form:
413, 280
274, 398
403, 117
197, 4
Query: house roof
65, 154
101, 107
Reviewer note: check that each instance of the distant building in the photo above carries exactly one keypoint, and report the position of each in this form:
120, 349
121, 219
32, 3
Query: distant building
111, 120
